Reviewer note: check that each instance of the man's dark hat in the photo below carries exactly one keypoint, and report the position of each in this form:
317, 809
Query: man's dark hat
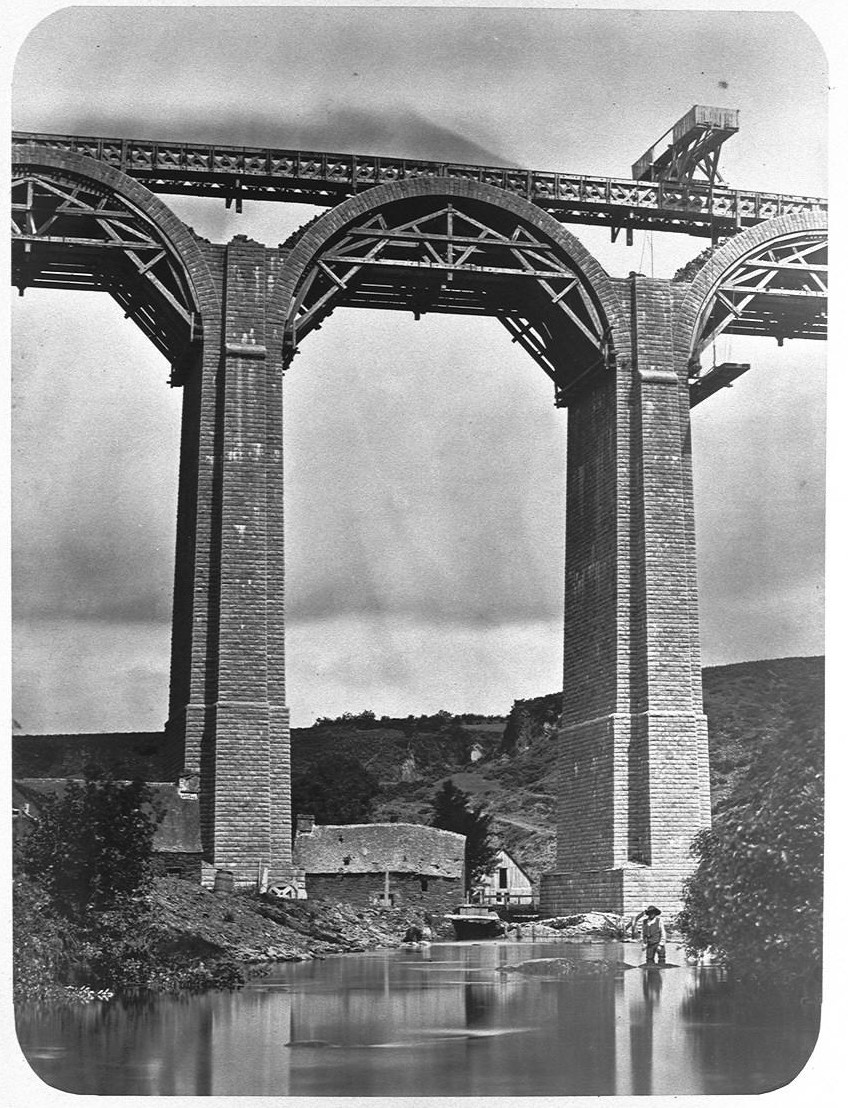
652, 910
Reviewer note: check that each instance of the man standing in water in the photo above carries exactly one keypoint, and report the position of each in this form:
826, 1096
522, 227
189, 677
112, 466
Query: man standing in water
653, 936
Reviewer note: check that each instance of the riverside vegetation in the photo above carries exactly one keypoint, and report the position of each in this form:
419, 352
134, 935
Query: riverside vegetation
754, 901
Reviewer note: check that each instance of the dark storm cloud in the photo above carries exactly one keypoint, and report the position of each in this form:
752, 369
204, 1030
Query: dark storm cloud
393, 131
329, 80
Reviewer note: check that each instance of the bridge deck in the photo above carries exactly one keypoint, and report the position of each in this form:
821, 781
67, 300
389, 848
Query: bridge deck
238, 173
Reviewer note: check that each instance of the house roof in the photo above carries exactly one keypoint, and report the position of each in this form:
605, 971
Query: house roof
178, 832
504, 858
380, 848
511, 861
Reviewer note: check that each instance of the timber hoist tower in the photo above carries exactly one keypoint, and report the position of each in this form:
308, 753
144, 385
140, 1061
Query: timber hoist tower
417, 236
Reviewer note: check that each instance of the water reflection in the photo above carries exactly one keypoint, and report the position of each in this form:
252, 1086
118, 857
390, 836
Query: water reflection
445, 1021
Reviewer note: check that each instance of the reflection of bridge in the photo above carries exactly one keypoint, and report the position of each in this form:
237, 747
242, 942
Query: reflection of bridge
623, 355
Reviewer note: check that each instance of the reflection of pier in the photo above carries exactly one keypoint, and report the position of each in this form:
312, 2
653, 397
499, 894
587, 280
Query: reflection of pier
233, 1046
445, 1022
642, 1006
217, 1044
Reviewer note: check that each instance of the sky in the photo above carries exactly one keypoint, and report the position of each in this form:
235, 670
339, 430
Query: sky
425, 461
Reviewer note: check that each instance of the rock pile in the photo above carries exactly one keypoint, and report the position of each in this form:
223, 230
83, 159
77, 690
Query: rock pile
605, 925
566, 967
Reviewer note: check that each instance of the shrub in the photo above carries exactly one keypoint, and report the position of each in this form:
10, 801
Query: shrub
756, 895
92, 845
42, 943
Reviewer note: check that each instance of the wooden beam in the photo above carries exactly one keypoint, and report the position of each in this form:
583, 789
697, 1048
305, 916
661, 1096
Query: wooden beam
405, 263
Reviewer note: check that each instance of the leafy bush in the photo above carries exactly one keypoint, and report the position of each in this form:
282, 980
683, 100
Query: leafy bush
83, 918
91, 846
756, 896
119, 948
41, 943
219, 973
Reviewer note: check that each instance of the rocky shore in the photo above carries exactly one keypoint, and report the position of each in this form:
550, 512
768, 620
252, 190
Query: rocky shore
248, 928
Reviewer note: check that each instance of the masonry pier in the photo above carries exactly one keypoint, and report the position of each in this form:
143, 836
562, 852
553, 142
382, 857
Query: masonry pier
624, 356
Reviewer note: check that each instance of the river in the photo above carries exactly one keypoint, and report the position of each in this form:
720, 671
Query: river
447, 1020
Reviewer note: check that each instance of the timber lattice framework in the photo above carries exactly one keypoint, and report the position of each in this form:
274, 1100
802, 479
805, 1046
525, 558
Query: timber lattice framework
432, 259
238, 173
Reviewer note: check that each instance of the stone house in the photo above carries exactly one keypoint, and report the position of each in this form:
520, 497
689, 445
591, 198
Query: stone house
401, 865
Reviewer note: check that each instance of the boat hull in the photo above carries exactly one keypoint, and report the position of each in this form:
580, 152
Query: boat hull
469, 929
476, 924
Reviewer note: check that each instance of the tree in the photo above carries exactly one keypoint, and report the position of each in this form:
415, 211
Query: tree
756, 895
452, 811
335, 789
81, 910
92, 845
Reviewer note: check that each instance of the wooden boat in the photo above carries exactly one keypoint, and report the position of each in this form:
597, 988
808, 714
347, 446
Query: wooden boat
472, 921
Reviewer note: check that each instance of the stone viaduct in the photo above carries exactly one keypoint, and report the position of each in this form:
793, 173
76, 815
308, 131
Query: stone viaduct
623, 354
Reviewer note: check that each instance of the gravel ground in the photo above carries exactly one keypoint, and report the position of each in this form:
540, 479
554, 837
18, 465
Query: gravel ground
250, 928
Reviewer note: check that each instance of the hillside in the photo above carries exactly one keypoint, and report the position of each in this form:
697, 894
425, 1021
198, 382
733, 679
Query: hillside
504, 763
752, 708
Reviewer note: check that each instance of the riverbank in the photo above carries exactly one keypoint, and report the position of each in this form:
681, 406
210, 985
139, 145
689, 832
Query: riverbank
182, 937
251, 929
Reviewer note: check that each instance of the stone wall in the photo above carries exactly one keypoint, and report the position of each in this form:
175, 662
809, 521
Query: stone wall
175, 864
408, 891
379, 848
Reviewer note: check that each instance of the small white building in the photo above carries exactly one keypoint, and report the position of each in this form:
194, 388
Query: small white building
507, 883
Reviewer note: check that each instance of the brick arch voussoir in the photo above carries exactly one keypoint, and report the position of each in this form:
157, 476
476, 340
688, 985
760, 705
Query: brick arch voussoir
170, 227
725, 259
311, 243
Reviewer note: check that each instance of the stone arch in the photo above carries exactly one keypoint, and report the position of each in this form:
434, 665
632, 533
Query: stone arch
174, 236
729, 258
315, 238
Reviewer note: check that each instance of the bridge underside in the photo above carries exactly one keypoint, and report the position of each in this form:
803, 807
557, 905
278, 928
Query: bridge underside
460, 257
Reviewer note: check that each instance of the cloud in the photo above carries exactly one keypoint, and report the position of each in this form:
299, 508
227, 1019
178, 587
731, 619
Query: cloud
395, 666
432, 488
95, 448
395, 130
84, 675
425, 469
